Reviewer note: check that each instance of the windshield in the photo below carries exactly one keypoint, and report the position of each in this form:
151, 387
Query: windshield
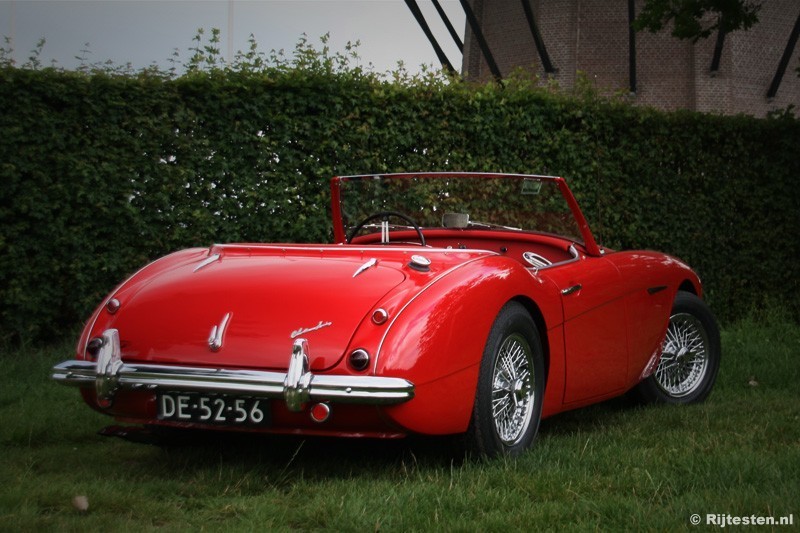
466, 201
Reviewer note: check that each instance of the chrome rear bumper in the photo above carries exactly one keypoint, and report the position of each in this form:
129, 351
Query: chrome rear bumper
297, 386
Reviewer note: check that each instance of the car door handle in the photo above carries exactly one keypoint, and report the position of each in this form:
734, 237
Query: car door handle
571, 290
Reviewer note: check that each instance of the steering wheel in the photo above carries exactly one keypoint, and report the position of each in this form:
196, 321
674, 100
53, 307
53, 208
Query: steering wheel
384, 216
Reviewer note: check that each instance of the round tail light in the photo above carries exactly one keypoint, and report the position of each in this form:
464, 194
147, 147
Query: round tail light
359, 359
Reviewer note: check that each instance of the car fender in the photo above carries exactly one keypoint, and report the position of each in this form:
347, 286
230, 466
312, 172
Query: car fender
438, 338
653, 280
130, 284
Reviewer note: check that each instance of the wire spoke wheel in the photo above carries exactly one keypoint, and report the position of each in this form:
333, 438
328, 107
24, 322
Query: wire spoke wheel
690, 356
508, 397
685, 355
513, 394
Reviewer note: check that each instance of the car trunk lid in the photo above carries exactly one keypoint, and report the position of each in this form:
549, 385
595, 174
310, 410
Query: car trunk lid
244, 306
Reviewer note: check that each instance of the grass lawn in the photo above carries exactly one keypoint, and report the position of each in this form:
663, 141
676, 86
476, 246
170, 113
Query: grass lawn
611, 466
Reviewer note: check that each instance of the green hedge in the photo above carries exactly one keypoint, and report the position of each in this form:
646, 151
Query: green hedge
101, 173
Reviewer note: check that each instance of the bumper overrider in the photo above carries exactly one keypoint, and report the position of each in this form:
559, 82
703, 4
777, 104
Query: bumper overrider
296, 386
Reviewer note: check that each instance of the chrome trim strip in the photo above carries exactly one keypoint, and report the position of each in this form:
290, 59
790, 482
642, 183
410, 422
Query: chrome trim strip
303, 385
350, 249
384, 232
366, 266
215, 338
207, 261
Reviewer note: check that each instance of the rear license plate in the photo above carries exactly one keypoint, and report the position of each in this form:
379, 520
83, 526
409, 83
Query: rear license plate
212, 409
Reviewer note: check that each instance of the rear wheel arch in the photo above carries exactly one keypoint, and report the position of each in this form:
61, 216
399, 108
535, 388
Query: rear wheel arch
510, 389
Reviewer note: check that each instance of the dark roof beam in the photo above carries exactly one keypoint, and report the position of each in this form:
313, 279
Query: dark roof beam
449, 25
721, 33
412, 5
537, 38
784, 62
476, 31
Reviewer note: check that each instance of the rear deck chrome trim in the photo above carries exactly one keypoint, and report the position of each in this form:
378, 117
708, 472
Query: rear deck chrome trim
207, 261
217, 335
366, 266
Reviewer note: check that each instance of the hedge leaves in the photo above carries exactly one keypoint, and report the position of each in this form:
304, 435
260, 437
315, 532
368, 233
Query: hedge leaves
101, 173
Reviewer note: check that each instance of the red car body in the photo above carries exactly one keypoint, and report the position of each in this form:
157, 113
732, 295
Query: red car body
385, 339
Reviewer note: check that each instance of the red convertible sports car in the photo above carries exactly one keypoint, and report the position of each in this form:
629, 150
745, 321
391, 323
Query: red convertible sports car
451, 303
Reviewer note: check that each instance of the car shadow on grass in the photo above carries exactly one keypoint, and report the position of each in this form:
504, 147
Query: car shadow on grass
597, 417
330, 457
316, 457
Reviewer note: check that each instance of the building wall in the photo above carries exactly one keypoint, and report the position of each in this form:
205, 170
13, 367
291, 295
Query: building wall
591, 36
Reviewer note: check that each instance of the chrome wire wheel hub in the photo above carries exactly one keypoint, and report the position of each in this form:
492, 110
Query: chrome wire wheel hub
684, 357
513, 396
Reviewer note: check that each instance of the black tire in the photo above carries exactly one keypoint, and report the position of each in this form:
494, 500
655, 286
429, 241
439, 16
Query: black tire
512, 378
690, 356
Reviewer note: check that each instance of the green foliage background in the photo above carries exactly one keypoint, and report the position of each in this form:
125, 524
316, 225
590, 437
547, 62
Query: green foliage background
102, 171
